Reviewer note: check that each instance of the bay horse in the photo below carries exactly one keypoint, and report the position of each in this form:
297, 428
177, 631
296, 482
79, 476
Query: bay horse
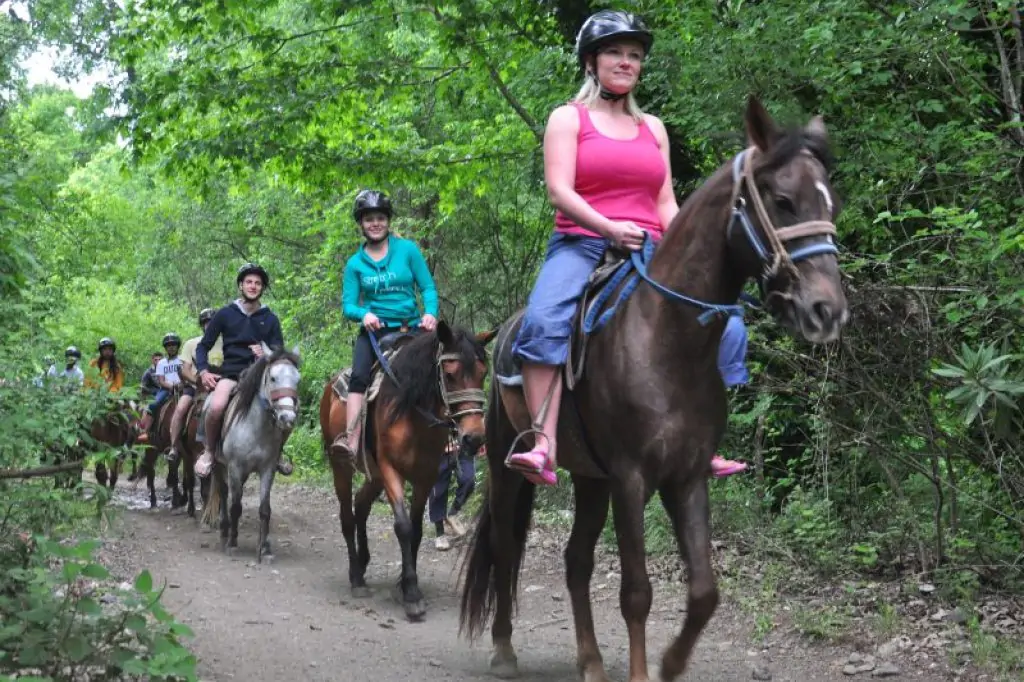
651, 407
262, 412
158, 442
435, 385
116, 428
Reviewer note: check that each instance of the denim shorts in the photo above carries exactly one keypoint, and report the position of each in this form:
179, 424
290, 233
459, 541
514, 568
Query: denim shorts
732, 353
547, 324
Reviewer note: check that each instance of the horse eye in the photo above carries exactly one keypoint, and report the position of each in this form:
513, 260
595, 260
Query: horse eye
785, 204
273, 380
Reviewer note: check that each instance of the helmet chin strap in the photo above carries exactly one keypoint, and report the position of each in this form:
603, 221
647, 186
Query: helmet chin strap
605, 93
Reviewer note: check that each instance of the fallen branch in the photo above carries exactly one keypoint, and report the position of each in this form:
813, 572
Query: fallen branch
41, 471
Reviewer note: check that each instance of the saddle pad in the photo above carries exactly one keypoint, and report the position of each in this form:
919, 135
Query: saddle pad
344, 377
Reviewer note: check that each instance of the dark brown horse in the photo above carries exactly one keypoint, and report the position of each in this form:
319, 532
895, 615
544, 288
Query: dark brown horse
190, 449
159, 441
440, 386
651, 407
116, 429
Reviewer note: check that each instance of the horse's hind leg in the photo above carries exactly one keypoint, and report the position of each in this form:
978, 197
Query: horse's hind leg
364, 503
189, 482
234, 485
591, 496
220, 479
149, 466
687, 507
629, 496
264, 553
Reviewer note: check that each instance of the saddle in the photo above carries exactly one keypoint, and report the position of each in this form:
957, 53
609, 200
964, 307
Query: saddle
390, 346
598, 302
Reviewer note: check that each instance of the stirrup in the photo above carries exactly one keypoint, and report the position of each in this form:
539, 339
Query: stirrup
547, 452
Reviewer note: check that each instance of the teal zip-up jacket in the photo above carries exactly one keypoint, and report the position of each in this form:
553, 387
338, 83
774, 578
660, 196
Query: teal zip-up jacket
388, 288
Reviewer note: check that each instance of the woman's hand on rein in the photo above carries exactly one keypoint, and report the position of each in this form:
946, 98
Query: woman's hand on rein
626, 235
371, 322
428, 322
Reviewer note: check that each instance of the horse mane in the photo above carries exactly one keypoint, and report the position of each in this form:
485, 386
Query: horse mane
251, 380
416, 370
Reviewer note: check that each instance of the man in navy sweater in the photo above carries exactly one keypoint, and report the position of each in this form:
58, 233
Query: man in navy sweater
243, 326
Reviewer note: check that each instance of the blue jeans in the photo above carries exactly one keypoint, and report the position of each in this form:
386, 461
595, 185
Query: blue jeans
465, 475
732, 353
161, 397
547, 324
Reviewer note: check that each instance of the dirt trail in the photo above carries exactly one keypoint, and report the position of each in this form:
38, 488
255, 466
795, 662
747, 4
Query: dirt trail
295, 619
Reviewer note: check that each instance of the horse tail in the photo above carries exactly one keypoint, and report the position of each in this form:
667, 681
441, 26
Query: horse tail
505, 490
211, 508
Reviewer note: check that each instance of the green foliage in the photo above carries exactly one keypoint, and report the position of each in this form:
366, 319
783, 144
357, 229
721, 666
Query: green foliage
57, 626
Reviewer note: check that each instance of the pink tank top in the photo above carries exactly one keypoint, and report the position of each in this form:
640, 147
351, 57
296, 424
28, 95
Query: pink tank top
620, 179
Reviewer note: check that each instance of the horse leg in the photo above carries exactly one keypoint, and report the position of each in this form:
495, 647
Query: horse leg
189, 483
149, 466
364, 503
394, 486
115, 470
101, 474
265, 553
420, 495
235, 485
629, 496
686, 502
220, 479
591, 495
178, 497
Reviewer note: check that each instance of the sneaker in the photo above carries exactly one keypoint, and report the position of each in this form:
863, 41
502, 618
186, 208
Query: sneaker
204, 465
441, 543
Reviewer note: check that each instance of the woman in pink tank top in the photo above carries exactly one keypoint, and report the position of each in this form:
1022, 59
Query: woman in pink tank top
606, 166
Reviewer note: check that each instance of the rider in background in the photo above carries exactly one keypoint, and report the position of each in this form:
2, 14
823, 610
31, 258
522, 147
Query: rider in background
607, 170
148, 385
71, 373
166, 378
446, 519
108, 365
379, 290
187, 371
732, 363
243, 326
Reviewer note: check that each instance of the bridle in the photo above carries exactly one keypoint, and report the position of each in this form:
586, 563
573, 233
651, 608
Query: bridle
774, 256
272, 398
470, 396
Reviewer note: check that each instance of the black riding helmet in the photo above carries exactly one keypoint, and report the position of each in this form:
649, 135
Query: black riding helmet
206, 315
252, 269
169, 339
371, 200
73, 352
104, 342
608, 25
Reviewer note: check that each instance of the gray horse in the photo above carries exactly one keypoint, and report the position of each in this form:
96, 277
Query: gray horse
261, 414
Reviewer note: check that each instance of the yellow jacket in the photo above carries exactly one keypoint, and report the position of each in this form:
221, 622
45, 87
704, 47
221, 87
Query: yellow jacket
115, 380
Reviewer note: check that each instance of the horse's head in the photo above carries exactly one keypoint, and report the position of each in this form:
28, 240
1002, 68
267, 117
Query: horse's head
280, 387
462, 365
787, 240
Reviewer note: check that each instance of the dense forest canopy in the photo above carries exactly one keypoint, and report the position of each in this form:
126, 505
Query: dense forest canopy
235, 131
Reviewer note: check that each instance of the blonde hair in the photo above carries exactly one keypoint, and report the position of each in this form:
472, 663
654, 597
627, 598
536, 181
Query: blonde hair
590, 94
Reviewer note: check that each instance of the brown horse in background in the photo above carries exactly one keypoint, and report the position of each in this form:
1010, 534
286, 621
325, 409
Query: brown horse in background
440, 387
190, 449
651, 407
116, 429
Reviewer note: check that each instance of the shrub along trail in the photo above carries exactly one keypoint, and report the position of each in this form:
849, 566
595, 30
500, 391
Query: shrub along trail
295, 619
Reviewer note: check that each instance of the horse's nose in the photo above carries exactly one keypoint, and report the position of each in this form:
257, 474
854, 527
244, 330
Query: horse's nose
826, 318
471, 442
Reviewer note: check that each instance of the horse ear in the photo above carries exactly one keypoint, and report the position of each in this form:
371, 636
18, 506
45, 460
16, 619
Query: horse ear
761, 129
444, 333
484, 338
817, 128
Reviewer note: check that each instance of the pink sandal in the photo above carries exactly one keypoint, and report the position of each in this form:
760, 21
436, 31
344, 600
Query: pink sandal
534, 466
721, 467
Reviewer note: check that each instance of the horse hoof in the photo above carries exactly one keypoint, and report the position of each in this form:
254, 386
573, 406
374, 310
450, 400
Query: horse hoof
361, 592
504, 666
267, 559
415, 611
231, 551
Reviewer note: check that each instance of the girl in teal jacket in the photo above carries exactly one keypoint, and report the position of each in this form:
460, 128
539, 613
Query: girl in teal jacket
379, 291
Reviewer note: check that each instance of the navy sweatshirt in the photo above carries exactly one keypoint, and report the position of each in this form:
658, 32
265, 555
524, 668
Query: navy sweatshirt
238, 331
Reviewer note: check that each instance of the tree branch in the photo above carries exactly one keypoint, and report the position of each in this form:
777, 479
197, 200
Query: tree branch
41, 471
